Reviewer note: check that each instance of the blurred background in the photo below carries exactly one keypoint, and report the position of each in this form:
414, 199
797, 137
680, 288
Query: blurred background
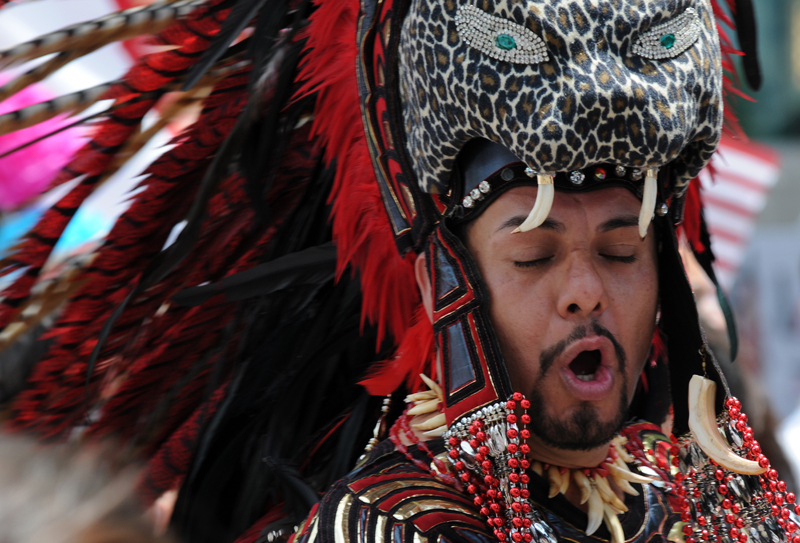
752, 198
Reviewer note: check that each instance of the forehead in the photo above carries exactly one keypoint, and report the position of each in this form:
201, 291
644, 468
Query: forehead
593, 207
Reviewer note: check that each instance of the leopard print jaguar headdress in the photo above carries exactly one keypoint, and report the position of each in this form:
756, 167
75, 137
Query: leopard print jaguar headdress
563, 85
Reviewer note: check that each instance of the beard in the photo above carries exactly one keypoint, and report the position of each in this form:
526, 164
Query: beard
583, 430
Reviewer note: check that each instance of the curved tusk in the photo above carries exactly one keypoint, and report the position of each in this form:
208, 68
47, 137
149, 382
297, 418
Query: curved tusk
703, 424
544, 202
595, 512
648, 201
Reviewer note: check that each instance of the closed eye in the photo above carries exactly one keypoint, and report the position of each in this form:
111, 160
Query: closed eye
671, 38
623, 259
533, 263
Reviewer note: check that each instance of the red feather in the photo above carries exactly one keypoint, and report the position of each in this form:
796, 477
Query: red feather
361, 228
413, 356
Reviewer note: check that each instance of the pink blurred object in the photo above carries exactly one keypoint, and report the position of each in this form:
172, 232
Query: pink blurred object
27, 173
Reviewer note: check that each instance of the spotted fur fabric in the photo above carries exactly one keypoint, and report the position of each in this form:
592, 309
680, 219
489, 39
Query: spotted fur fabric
594, 100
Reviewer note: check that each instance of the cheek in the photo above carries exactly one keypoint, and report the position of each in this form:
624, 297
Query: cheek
636, 302
518, 312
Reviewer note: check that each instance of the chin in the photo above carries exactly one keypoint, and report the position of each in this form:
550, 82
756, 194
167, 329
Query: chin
585, 428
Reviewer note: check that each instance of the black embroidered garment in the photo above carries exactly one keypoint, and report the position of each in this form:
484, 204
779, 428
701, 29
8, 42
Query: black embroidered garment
387, 498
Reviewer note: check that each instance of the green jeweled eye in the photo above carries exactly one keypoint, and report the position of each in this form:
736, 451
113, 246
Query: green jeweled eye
671, 38
505, 42
499, 38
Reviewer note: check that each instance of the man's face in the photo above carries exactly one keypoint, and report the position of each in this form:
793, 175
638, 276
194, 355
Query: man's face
573, 303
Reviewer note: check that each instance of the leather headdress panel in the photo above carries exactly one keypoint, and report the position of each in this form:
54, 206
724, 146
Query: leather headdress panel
472, 367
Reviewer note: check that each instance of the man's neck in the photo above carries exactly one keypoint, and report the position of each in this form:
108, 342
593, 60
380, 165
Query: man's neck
566, 458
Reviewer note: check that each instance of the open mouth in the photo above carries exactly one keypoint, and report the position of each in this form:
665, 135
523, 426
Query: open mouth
585, 365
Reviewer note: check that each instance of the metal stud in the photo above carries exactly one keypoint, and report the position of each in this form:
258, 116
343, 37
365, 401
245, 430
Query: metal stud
577, 177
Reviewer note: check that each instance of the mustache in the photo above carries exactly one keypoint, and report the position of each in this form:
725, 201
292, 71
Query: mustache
549, 355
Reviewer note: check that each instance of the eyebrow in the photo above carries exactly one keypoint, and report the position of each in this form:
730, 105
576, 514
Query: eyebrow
548, 224
624, 221
619, 222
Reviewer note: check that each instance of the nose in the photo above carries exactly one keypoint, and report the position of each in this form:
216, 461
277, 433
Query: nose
583, 292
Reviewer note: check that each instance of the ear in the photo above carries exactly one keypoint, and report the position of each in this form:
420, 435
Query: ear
424, 284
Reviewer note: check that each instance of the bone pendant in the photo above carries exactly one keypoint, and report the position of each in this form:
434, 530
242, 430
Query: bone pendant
425, 407
623, 453
421, 396
595, 512
608, 495
555, 481
623, 485
613, 524
564, 482
584, 485
428, 422
436, 432
624, 473
703, 424
433, 386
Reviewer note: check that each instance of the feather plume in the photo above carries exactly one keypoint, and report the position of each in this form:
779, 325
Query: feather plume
82, 38
413, 356
361, 227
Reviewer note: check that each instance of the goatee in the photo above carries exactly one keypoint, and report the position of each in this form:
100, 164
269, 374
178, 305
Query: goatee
583, 430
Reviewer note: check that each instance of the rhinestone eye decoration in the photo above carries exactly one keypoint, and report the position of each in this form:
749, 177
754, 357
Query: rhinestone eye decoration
499, 38
477, 194
669, 39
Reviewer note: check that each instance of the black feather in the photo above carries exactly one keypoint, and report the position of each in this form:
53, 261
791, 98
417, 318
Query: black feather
312, 266
745, 20
237, 20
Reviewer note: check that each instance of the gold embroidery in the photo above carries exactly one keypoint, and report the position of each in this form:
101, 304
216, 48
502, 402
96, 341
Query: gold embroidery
380, 529
363, 522
379, 492
313, 536
419, 539
416, 506
341, 528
